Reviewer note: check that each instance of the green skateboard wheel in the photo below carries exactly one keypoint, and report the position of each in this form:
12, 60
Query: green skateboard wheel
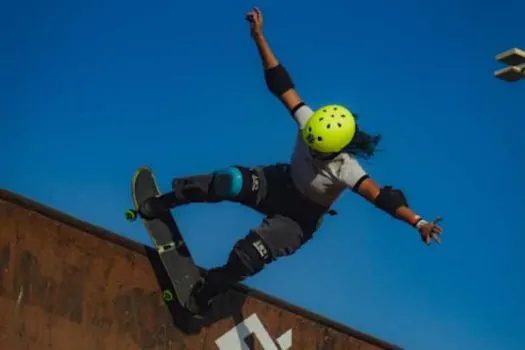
131, 215
167, 295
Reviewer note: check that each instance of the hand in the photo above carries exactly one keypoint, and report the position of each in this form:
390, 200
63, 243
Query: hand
255, 18
430, 231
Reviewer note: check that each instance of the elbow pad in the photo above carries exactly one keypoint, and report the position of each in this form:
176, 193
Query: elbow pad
390, 199
278, 80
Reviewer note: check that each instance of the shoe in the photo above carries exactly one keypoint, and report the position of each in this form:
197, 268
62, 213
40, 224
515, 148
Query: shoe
197, 304
150, 208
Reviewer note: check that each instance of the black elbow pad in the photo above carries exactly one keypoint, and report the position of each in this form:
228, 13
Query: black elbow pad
390, 199
278, 80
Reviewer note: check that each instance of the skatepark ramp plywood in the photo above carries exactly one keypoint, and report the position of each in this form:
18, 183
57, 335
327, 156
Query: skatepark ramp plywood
66, 284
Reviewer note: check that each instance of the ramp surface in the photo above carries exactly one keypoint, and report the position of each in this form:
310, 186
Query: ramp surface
66, 284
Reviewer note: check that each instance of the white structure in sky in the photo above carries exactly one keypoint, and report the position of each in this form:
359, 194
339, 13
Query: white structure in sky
514, 59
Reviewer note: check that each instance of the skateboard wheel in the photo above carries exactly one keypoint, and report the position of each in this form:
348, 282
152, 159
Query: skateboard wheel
167, 295
131, 215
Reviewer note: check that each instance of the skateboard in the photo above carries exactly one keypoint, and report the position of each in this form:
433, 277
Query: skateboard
167, 239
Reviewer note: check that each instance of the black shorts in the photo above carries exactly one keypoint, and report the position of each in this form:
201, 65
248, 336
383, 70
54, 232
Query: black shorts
291, 219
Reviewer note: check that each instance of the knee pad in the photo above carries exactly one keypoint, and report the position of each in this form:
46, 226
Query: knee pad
249, 256
235, 182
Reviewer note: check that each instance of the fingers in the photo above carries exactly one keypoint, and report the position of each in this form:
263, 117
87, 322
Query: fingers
257, 13
435, 234
431, 233
435, 231
435, 224
431, 237
254, 16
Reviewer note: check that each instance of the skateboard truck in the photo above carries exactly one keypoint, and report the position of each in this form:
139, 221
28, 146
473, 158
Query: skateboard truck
168, 247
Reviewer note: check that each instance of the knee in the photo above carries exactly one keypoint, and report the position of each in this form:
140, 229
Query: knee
234, 182
249, 256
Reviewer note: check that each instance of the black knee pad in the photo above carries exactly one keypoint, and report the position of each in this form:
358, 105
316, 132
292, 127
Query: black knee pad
249, 256
235, 182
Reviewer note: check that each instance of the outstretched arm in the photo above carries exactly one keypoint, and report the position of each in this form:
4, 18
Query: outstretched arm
370, 190
277, 78
394, 203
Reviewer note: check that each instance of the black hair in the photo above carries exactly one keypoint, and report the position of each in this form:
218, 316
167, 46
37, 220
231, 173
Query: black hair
363, 145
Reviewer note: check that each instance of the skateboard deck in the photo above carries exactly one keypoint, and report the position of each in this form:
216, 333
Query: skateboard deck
167, 239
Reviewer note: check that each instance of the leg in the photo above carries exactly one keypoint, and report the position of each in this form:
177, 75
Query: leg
236, 183
276, 237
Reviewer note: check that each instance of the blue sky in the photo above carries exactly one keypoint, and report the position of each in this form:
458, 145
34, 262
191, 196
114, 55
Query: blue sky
92, 90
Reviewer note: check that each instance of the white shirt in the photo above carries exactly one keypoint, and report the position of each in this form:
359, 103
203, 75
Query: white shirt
323, 181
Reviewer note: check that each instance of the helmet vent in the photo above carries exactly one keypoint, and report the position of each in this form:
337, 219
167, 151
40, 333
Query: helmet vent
328, 126
339, 125
319, 138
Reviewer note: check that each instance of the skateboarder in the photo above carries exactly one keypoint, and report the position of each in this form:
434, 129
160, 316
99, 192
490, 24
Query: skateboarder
293, 197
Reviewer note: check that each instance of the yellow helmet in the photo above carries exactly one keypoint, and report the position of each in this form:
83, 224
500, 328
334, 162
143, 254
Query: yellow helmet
330, 129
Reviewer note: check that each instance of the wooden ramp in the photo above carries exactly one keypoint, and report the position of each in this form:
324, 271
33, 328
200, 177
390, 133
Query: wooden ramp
66, 284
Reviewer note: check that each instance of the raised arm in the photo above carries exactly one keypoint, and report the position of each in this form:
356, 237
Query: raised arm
276, 76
